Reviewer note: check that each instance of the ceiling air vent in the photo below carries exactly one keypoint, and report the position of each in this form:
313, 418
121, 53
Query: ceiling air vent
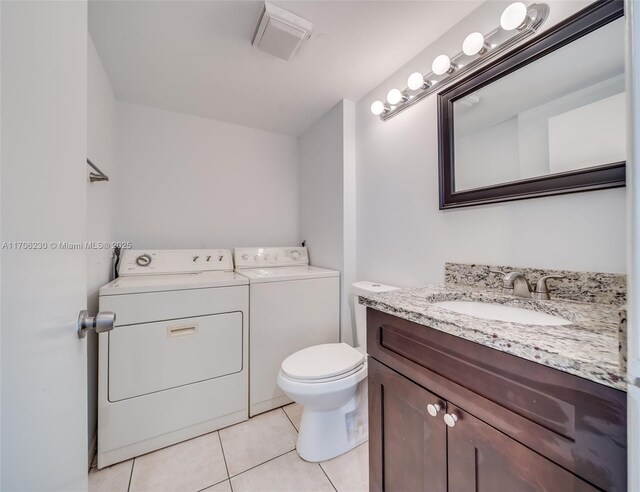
280, 33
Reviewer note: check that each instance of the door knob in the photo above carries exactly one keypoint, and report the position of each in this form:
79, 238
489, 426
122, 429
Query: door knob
101, 322
450, 419
433, 409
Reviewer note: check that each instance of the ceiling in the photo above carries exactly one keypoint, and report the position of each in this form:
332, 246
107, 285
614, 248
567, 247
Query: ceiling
195, 57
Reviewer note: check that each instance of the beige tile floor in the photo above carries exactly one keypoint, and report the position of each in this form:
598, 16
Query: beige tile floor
254, 456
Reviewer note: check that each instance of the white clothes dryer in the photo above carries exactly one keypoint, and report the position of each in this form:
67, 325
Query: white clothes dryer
175, 366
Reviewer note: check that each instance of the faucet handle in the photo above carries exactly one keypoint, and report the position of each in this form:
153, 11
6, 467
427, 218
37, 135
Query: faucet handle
507, 285
500, 272
542, 290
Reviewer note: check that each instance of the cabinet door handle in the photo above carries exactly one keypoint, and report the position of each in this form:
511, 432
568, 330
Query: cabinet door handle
433, 409
450, 419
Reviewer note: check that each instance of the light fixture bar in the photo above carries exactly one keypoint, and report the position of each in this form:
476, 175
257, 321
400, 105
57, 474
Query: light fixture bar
536, 15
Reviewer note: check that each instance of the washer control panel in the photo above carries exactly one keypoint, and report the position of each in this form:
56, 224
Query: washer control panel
167, 261
270, 257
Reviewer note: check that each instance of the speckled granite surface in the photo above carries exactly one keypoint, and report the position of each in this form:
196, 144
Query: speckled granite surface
622, 339
601, 288
588, 347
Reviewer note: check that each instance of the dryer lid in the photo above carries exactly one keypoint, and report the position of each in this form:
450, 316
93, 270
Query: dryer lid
322, 361
159, 283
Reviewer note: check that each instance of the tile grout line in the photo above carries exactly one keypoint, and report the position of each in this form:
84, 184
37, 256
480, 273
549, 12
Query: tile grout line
224, 457
217, 483
260, 464
326, 475
133, 463
289, 419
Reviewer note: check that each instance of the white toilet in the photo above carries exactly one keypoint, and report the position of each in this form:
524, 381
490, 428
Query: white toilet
329, 381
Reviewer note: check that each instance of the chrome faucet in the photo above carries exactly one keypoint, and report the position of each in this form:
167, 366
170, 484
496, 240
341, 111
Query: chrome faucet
516, 284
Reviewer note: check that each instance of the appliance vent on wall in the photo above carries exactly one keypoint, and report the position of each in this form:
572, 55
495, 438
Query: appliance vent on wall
280, 33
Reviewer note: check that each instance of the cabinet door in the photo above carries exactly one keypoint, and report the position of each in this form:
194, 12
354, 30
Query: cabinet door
407, 446
482, 459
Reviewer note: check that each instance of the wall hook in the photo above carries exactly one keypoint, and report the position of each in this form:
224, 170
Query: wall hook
98, 175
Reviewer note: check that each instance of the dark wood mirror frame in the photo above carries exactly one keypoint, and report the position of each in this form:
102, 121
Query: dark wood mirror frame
611, 175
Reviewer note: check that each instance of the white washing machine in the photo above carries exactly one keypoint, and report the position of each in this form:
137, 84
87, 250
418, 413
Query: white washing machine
175, 366
292, 305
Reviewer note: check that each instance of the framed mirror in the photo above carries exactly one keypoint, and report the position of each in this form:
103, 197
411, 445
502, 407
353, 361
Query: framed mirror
547, 118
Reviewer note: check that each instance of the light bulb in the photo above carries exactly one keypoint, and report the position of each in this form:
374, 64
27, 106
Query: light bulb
473, 44
513, 16
394, 96
377, 107
441, 65
416, 81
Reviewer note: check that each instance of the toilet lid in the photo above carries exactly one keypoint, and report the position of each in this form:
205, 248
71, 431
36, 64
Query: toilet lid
322, 361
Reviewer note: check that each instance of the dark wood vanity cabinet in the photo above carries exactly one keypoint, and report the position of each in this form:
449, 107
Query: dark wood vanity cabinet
407, 447
484, 459
519, 426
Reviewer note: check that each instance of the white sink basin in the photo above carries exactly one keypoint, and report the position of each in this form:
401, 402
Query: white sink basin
500, 312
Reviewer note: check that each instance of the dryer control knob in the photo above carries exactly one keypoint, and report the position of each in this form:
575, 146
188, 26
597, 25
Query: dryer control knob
143, 260
245, 256
295, 255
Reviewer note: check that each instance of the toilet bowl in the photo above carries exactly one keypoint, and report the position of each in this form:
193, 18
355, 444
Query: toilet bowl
329, 381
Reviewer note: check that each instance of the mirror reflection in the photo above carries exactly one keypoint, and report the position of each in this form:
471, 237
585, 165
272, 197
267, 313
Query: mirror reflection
561, 113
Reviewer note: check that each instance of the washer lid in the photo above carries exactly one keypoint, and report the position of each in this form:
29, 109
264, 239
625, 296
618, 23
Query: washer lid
279, 274
322, 361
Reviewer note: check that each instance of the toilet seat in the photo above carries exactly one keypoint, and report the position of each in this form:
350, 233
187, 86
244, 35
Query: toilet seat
324, 380
323, 363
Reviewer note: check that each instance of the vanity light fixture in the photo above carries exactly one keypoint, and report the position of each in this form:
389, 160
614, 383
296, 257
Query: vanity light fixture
416, 81
378, 107
517, 22
442, 64
514, 16
394, 96
474, 44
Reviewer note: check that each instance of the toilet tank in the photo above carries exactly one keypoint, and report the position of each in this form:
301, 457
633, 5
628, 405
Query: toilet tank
364, 287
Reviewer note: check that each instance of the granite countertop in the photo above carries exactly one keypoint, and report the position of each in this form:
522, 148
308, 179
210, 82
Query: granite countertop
588, 347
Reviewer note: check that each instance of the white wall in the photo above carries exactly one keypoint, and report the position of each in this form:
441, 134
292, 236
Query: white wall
190, 182
349, 225
404, 239
327, 198
101, 149
321, 189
